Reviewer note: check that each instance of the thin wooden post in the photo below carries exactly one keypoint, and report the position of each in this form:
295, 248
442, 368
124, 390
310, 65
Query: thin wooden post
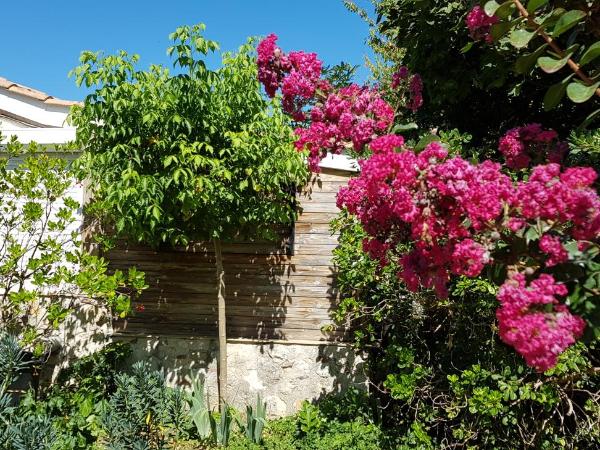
222, 365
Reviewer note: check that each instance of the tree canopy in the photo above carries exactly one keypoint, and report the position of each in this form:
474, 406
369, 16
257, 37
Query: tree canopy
197, 154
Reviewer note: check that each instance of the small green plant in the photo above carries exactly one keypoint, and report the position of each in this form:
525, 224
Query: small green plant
256, 418
141, 412
199, 411
310, 418
221, 430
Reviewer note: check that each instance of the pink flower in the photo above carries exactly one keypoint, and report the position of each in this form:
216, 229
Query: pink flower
469, 258
566, 198
520, 146
480, 24
552, 246
386, 143
272, 64
416, 93
539, 333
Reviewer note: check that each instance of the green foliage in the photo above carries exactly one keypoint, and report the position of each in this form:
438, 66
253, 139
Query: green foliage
199, 410
221, 425
44, 272
282, 434
310, 418
140, 411
441, 371
197, 155
255, 421
78, 399
473, 87
585, 148
560, 33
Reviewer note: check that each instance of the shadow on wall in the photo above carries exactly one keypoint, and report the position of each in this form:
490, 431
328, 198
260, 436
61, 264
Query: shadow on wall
279, 297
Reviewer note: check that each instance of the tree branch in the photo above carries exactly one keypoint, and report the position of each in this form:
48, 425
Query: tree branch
572, 64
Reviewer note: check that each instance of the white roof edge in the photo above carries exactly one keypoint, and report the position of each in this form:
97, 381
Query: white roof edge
339, 162
40, 135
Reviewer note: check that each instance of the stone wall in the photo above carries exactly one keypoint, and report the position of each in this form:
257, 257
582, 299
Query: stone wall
284, 374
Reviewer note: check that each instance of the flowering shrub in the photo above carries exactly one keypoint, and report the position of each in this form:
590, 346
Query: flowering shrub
533, 322
349, 118
459, 215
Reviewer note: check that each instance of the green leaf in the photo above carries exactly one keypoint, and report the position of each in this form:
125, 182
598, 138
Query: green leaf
505, 9
567, 21
555, 94
590, 54
520, 38
589, 119
579, 92
525, 63
532, 5
491, 7
405, 127
467, 47
425, 141
551, 65
499, 30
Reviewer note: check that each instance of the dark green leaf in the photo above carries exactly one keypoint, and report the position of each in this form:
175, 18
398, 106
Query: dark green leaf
567, 21
533, 5
525, 63
590, 54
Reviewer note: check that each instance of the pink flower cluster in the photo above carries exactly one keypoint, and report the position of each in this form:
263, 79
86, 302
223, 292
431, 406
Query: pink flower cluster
437, 201
416, 93
532, 320
455, 211
351, 117
520, 146
414, 84
552, 247
298, 74
273, 64
566, 198
480, 24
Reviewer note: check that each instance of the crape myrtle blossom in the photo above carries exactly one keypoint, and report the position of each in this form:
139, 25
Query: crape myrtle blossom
348, 118
480, 24
522, 145
532, 320
297, 74
426, 197
454, 212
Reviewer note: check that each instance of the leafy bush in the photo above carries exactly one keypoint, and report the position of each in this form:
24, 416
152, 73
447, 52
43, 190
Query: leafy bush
143, 411
474, 88
442, 372
44, 273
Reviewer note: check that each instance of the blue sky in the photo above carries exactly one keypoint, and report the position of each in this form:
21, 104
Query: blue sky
42, 39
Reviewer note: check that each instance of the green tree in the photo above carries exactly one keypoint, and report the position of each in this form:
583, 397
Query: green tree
196, 155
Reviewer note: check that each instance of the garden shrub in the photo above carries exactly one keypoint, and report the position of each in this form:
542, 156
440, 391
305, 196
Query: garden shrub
45, 274
441, 258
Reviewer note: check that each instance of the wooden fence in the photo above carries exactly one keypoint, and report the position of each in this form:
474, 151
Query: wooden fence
271, 292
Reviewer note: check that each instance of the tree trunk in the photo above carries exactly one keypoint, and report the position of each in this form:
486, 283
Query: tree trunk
222, 365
